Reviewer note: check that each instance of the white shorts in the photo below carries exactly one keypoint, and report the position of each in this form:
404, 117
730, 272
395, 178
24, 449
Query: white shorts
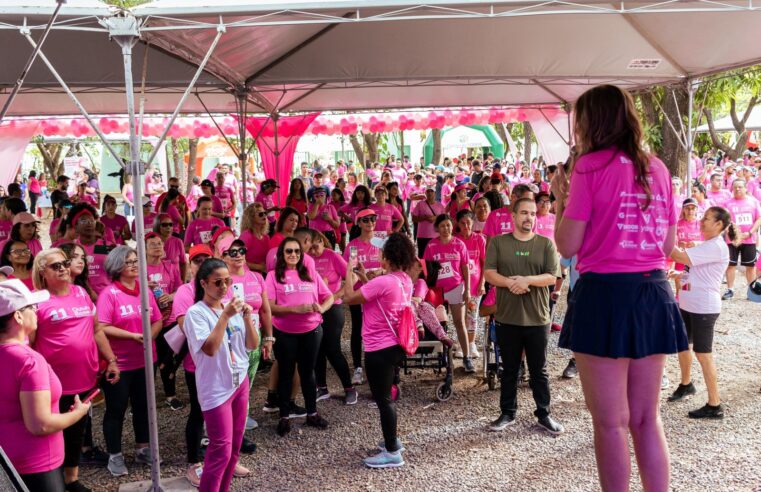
454, 296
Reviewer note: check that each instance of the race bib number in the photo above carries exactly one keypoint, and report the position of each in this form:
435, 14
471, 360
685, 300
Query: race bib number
744, 219
446, 270
205, 236
380, 234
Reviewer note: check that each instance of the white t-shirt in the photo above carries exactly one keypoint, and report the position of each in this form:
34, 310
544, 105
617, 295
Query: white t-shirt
701, 286
215, 376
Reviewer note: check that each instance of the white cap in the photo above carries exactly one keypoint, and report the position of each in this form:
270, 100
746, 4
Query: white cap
14, 295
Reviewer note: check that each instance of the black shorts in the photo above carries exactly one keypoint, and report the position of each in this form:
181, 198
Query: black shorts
700, 330
746, 253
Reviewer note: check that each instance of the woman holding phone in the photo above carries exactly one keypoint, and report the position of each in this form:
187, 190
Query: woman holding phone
70, 341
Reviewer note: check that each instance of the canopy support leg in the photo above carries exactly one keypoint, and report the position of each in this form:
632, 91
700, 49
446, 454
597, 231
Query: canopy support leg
690, 134
242, 107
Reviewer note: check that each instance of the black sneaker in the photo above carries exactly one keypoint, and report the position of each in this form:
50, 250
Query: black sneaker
502, 423
682, 391
570, 370
76, 486
283, 427
247, 447
175, 404
467, 364
296, 411
550, 425
729, 294
93, 456
323, 394
271, 405
707, 412
317, 421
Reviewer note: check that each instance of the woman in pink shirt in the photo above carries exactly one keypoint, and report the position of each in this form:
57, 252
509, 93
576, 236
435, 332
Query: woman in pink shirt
622, 318
16, 254
31, 424
174, 249
688, 234
476, 246
287, 223
382, 299
119, 315
82, 218
332, 268
395, 199
297, 301
116, 223
323, 216
34, 191
253, 233
481, 209
389, 219
25, 228
200, 229
460, 201
338, 200
360, 199
128, 195
453, 278
297, 197
69, 340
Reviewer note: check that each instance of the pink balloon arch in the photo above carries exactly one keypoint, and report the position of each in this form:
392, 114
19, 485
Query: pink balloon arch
204, 127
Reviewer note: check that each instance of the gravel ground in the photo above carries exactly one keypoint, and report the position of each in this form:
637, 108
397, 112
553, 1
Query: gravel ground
449, 448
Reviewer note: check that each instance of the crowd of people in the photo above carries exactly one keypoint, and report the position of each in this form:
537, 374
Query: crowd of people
460, 243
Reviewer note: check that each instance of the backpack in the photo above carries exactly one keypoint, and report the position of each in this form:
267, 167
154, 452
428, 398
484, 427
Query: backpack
407, 334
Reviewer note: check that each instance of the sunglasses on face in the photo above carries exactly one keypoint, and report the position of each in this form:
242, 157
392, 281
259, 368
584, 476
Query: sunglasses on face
198, 260
367, 220
167, 224
292, 251
223, 282
261, 214
234, 253
60, 265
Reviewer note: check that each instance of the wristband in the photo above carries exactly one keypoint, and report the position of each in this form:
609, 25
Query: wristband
269, 339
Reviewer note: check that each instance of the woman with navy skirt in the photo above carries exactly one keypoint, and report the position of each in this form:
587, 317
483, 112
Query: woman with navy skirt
616, 214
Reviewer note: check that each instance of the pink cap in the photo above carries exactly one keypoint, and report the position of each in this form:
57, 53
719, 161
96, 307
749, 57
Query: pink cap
14, 295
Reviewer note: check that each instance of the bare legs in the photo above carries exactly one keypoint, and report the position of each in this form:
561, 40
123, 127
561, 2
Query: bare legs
708, 367
458, 315
623, 397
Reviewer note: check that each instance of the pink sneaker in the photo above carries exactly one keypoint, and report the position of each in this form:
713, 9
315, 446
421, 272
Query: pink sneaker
194, 474
241, 471
556, 327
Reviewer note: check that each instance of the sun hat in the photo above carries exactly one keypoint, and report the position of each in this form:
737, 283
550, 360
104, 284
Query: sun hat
24, 218
14, 295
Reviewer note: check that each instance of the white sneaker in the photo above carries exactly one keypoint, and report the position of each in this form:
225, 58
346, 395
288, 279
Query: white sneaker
474, 351
359, 376
251, 423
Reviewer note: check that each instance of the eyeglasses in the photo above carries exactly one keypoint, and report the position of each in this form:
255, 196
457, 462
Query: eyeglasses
544, 202
223, 282
292, 251
367, 220
60, 265
234, 253
130, 263
85, 221
21, 252
167, 224
198, 260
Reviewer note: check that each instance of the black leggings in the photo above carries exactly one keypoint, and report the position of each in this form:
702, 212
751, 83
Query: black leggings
49, 481
330, 348
167, 364
292, 350
356, 335
380, 367
422, 242
74, 435
194, 426
33, 202
129, 390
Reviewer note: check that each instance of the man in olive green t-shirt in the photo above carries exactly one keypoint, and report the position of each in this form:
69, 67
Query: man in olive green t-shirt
521, 266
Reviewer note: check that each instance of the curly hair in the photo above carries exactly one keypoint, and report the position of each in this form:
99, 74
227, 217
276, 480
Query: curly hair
75, 210
399, 251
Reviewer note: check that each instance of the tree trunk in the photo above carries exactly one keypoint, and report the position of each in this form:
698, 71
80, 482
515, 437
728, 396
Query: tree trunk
358, 150
500, 129
52, 158
739, 124
192, 153
673, 153
371, 141
528, 133
436, 136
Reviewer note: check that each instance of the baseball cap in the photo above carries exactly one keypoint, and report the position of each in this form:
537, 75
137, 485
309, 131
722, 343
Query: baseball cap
207, 182
147, 201
14, 295
365, 213
200, 249
754, 290
217, 233
690, 201
24, 218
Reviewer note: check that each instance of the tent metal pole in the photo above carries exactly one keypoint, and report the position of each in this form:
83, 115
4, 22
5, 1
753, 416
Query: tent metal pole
76, 102
690, 135
201, 66
242, 156
275, 118
137, 171
30, 61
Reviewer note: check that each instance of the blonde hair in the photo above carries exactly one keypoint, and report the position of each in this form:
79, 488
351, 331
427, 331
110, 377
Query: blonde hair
40, 263
247, 221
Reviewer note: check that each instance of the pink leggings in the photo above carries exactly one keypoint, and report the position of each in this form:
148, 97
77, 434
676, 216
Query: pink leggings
427, 315
225, 425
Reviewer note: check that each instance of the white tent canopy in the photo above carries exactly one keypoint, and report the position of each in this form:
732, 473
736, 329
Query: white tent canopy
355, 55
725, 124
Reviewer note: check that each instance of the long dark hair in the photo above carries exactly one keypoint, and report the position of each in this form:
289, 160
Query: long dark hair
83, 279
722, 215
7, 247
398, 199
204, 271
16, 233
606, 116
354, 200
170, 196
280, 265
284, 214
299, 194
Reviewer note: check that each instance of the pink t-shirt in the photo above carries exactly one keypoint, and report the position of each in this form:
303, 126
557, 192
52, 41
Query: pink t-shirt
122, 310
319, 223
53, 230
5, 229
476, 246
744, 214
174, 251
387, 214
184, 298
688, 231
66, 338
193, 196
23, 369
199, 230
167, 275
256, 249
382, 309
115, 225
293, 292
267, 201
545, 226
174, 214
252, 284
446, 193
719, 197
351, 211
421, 289
426, 229
97, 275
272, 259
332, 268
147, 224
499, 222
368, 255
602, 191
452, 256
225, 195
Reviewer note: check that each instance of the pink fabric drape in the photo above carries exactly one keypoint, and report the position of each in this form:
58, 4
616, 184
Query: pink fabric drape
277, 158
14, 137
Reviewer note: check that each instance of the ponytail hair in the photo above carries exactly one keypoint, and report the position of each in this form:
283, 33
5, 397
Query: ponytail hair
204, 271
722, 215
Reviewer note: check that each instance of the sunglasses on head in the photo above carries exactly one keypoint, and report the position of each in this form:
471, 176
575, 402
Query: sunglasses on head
60, 265
235, 252
292, 251
223, 282
367, 220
